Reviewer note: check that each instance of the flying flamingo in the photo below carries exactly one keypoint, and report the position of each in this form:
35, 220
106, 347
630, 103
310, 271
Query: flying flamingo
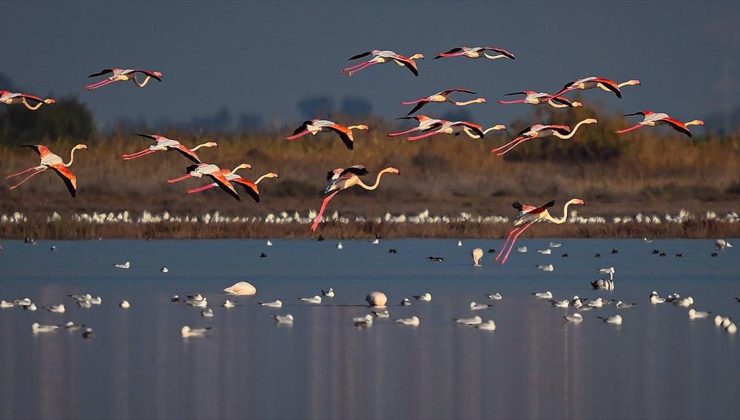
122, 75
538, 98
425, 123
451, 127
343, 178
211, 170
249, 186
529, 215
50, 160
657, 118
315, 126
473, 135
164, 144
476, 52
380, 57
443, 97
596, 82
10, 98
539, 131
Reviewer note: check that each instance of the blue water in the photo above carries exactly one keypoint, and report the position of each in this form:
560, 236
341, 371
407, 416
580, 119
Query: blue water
658, 364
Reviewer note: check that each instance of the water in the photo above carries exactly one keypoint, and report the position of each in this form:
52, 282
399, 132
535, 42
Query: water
658, 364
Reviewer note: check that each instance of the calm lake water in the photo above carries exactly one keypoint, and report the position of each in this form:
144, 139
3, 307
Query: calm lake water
658, 364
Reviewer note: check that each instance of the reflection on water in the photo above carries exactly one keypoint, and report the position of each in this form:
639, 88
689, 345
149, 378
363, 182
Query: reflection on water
658, 364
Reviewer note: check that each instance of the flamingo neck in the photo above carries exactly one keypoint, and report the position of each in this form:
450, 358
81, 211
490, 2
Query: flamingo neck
262, 177
627, 83
556, 105
571, 134
377, 180
694, 122
472, 101
71, 157
562, 219
493, 57
201, 145
356, 127
31, 107
142, 84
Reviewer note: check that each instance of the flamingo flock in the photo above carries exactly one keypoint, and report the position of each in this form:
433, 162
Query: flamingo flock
344, 178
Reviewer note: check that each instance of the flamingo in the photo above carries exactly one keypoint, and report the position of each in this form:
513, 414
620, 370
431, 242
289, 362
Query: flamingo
51, 161
122, 75
164, 144
473, 135
384, 56
540, 130
249, 186
599, 82
425, 123
11, 98
344, 178
443, 96
451, 127
211, 170
315, 126
651, 119
476, 52
528, 216
538, 98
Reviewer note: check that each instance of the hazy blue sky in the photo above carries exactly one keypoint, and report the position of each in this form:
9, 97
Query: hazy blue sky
263, 57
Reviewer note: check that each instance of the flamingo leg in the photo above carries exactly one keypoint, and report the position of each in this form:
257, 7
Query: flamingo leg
506, 243
627, 130
317, 220
422, 136
358, 67
401, 133
513, 146
38, 171
518, 101
297, 136
138, 154
33, 168
507, 145
203, 188
413, 102
513, 241
182, 178
102, 83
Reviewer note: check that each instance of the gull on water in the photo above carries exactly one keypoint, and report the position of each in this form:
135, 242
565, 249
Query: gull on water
545, 251
207, 313
603, 284
363, 321
413, 321
719, 319
124, 304
655, 299
32, 307
269, 242
283, 319
197, 301
340, 246
494, 296
469, 321
622, 305
6, 305
694, 314
543, 295
88, 334
478, 306
576, 302
560, 303
328, 293
274, 304
546, 267
459, 243
38, 328
187, 332
71, 326
575, 317
521, 249
315, 300
614, 319
57, 309
685, 302
721, 244
405, 302
597, 303
424, 297
610, 271
228, 304
375, 241
382, 314
487, 326
164, 270
124, 266
555, 245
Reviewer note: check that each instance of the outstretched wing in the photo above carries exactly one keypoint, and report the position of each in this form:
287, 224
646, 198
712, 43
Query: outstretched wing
448, 91
416, 108
70, 180
303, 127
409, 64
39, 148
149, 73
344, 133
678, 126
185, 151
101, 72
360, 55
358, 170
224, 184
250, 187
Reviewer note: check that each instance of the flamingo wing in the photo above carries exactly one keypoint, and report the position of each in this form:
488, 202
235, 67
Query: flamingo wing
448, 91
477, 129
677, 125
224, 184
541, 208
515, 93
452, 51
358, 170
610, 84
101, 72
149, 73
344, 133
501, 51
418, 106
39, 148
523, 208
562, 101
635, 113
360, 55
409, 64
250, 187
185, 151
70, 180
303, 127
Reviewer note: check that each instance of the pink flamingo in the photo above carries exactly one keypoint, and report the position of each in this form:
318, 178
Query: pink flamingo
425, 123
314, 127
212, 171
476, 52
164, 144
451, 127
443, 96
384, 56
343, 178
10, 98
50, 160
538, 98
596, 82
249, 186
122, 75
540, 131
528, 216
658, 118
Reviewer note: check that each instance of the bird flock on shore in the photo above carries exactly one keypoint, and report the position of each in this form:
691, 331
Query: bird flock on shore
340, 179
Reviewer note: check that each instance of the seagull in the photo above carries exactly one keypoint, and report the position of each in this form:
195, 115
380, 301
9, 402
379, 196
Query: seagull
5, 304
71, 326
96, 300
576, 318
543, 295
187, 332
576, 302
57, 309
414, 321
478, 306
340, 246
672, 298
38, 328
721, 244
88, 334
363, 321
25, 302
521, 249
32, 307
375, 241
275, 304
603, 284
719, 319
596, 303
229, 304
622, 305
164, 270
732, 328
328, 293
655, 299
685, 302
459, 243
269, 242
495, 296
207, 313
124, 304
469, 321
405, 302
560, 303
546, 267
316, 300
195, 302
382, 314
477, 257
487, 326
124, 266
425, 297
555, 245
545, 251
615, 319
694, 314
175, 298
283, 319
610, 271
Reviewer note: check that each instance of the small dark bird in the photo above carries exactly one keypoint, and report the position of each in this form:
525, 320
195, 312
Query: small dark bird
88, 334
392, 251
320, 238
175, 298
597, 255
737, 299
53, 248
615, 251
714, 254
679, 255
662, 254
491, 251
655, 251
263, 255
435, 259
565, 255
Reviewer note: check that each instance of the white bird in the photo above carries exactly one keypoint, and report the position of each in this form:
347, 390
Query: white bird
487, 326
57, 309
71, 326
405, 302
459, 243
32, 307
478, 306
732, 328
694, 314
414, 320
603, 284
25, 302
555, 245
6, 305
382, 314
207, 313
719, 319
96, 300
648, 241
375, 241
38, 328
610, 271
283, 319
622, 305
274, 304
615, 319
726, 322
241, 288
576, 302
543, 295
655, 299
340, 246
197, 303
560, 303
546, 267
469, 321
269, 242
722, 244
521, 249
363, 321
425, 297
164, 270
477, 257
228, 304
124, 304
545, 251
124, 266
685, 302
187, 332
596, 303
328, 293
575, 317
495, 296
316, 300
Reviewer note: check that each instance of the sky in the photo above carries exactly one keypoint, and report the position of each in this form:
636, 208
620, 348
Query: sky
264, 57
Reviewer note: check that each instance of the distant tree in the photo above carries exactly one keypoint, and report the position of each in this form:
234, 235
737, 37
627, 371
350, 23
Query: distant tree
356, 106
67, 119
460, 114
316, 106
